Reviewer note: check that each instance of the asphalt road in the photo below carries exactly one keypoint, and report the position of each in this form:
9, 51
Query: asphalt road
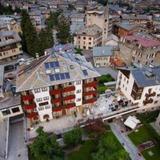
17, 149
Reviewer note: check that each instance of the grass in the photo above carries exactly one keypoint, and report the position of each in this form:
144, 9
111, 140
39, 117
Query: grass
146, 133
84, 153
148, 117
101, 89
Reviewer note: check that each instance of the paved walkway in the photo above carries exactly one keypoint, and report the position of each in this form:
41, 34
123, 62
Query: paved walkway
128, 145
17, 149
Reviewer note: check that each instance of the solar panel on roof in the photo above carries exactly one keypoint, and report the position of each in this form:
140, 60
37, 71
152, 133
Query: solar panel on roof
62, 76
46, 65
85, 72
67, 75
52, 78
57, 76
56, 64
52, 64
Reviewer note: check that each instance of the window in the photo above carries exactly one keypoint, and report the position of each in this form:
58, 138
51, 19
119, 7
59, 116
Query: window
78, 100
44, 89
40, 108
39, 99
84, 37
6, 112
46, 98
14, 110
78, 82
47, 107
37, 90
43, 104
78, 91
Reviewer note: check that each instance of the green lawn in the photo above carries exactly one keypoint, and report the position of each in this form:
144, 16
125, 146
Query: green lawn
101, 89
146, 133
84, 153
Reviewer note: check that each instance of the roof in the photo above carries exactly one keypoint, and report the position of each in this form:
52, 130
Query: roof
54, 69
126, 26
145, 77
143, 40
90, 30
14, 38
102, 51
131, 122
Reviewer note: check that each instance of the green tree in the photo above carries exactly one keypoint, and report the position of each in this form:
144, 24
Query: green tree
29, 35
45, 147
63, 30
73, 137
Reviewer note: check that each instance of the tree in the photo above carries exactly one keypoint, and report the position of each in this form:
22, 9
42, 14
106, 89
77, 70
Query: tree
73, 137
63, 30
29, 35
45, 147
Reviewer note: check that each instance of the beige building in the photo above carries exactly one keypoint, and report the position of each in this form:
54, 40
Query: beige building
88, 37
98, 15
10, 46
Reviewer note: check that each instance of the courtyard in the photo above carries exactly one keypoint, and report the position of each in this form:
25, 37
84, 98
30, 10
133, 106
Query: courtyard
148, 142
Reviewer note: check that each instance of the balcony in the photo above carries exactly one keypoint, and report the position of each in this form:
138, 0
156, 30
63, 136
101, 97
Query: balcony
90, 84
32, 115
28, 97
68, 106
56, 100
57, 109
69, 97
92, 100
29, 107
69, 89
55, 91
87, 93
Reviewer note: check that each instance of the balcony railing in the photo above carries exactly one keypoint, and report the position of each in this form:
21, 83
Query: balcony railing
69, 89
90, 84
55, 91
68, 106
57, 109
87, 93
29, 107
56, 100
33, 115
69, 97
92, 100
28, 97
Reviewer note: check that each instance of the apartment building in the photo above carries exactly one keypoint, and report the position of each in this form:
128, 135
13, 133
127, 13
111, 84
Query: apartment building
56, 84
99, 16
88, 37
141, 49
10, 45
141, 86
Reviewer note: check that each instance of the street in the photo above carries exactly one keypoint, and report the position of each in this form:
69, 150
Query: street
17, 149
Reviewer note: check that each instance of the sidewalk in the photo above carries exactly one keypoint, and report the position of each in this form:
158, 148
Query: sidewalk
126, 142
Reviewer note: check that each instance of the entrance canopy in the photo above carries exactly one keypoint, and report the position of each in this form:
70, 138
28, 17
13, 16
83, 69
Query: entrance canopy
131, 122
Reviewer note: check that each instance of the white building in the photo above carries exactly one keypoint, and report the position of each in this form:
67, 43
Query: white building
56, 84
141, 86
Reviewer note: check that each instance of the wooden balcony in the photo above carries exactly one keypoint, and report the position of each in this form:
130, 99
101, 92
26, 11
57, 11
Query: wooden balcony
68, 106
70, 97
29, 107
69, 89
28, 97
92, 100
32, 115
55, 91
87, 93
57, 109
90, 84
56, 100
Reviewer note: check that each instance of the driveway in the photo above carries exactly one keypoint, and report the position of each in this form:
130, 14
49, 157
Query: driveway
126, 142
17, 149
108, 70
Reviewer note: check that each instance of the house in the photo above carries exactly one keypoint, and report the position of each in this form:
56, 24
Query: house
140, 48
62, 84
98, 15
102, 55
141, 86
88, 37
10, 45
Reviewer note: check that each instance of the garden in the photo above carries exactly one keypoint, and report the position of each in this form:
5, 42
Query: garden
146, 138
104, 79
94, 142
